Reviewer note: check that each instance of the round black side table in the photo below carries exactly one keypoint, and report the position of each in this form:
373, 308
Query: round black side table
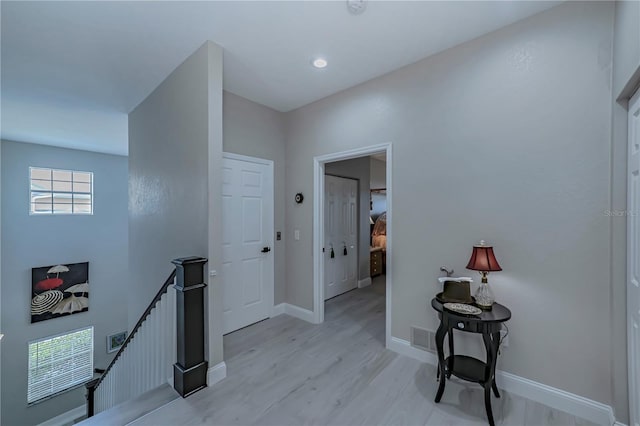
489, 324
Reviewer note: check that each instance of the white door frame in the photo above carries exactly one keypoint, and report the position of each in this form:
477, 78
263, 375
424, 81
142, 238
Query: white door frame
270, 188
632, 250
318, 226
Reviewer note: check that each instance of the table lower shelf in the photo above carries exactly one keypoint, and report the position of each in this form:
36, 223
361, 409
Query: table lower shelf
466, 368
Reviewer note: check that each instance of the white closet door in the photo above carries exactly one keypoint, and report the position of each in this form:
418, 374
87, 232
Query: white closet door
341, 236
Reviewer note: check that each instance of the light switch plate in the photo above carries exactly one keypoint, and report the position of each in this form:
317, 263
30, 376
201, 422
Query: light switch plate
296, 234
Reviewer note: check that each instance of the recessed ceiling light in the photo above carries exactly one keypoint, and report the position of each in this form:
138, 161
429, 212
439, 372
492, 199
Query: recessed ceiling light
319, 63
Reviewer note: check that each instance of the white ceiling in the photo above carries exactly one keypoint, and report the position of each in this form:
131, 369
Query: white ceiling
71, 71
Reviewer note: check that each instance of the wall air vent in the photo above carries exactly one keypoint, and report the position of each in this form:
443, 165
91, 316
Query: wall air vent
423, 339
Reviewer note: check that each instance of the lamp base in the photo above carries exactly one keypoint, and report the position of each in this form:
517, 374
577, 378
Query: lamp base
484, 297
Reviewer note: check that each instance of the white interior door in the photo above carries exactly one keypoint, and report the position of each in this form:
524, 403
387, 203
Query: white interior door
633, 259
247, 259
341, 236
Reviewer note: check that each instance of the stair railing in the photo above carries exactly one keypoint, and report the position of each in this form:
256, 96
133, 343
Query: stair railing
165, 345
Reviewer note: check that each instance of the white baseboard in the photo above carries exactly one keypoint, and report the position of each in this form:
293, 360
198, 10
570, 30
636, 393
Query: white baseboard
294, 311
66, 418
403, 347
577, 405
278, 309
559, 399
364, 282
216, 373
301, 313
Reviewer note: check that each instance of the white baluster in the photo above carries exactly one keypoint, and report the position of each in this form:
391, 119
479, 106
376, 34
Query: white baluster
153, 356
152, 351
123, 372
145, 358
140, 361
141, 358
134, 364
145, 355
101, 397
157, 370
139, 350
117, 379
147, 362
174, 337
110, 389
105, 394
116, 385
148, 348
167, 337
164, 359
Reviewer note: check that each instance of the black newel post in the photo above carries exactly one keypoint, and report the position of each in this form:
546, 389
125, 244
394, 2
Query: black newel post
190, 372
91, 389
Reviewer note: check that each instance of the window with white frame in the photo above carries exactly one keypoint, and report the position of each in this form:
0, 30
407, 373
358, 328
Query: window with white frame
60, 191
58, 363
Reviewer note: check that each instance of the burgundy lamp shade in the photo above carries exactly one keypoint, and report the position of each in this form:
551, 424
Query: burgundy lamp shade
483, 259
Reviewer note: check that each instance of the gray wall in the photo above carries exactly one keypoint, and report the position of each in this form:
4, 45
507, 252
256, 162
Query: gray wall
174, 134
257, 131
626, 43
505, 138
378, 174
358, 168
378, 179
626, 64
32, 241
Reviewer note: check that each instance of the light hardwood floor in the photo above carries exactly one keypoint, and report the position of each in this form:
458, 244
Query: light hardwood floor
284, 371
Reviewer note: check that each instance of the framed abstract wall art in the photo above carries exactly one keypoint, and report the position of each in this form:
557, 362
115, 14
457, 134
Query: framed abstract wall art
115, 341
59, 290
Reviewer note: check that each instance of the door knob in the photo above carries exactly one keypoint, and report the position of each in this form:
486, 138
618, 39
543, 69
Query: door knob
265, 249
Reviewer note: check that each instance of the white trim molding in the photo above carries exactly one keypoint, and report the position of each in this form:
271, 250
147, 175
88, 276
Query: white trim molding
294, 311
364, 282
248, 159
216, 373
278, 309
66, 418
403, 347
559, 399
318, 226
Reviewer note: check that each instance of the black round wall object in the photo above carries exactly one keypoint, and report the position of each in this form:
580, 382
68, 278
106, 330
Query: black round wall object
299, 198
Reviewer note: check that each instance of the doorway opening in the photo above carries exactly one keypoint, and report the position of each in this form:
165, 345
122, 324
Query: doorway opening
339, 253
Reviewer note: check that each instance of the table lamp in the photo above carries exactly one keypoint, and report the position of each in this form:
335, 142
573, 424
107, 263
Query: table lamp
483, 260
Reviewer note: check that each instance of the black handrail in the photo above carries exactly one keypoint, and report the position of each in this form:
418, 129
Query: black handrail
93, 384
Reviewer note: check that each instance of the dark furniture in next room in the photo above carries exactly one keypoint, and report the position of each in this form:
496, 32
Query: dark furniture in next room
376, 261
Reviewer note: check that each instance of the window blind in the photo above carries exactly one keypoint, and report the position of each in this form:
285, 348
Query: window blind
59, 363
